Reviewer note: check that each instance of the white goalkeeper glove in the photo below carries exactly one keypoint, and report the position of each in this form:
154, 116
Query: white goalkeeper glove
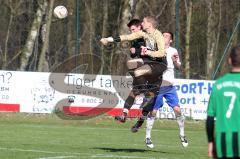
105, 41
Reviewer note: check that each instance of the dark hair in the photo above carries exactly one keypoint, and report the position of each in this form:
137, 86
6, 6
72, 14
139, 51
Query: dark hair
235, 56
169, 32
136, 22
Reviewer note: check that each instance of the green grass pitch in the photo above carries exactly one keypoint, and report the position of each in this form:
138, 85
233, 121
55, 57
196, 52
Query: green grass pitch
28, 136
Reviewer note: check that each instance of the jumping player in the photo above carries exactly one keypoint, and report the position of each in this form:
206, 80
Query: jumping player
155, 53
135, 52
167, 91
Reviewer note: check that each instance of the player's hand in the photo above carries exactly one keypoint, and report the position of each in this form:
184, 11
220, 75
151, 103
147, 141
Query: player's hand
175, 57
210, 150
133, 50
143, 51
104, 41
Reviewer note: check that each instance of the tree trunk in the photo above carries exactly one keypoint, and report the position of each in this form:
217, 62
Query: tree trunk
138, 9
43, 65
214, 21
92, 33
104, 58
32, 36
4, 62
188, 37
70, 26
119, 60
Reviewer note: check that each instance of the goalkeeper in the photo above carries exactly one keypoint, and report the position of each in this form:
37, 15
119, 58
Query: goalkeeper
154, 63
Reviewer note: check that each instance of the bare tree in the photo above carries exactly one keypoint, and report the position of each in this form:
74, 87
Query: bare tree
138, 8
70, 27
188, 8
32, 36
119, 59
104, 34
206, 27
213, 34
14, 11
92, 32
43, 64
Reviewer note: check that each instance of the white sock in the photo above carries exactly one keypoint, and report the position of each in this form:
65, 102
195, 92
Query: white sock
125, 111
180, 121
149, 125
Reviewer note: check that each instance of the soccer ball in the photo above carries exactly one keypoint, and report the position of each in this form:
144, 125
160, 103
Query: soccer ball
60, 12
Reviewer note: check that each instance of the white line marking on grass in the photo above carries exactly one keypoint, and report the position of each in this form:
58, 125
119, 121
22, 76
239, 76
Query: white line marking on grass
72, 153
117, 156
57, 157
40, 151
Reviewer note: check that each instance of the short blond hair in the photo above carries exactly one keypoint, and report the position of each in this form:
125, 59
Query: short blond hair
152, 20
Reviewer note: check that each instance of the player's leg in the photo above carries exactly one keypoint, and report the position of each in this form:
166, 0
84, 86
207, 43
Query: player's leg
134, 63
143, 117
156, 104
148, 71
173, 101
140, 121
148, 102
149, 126
127, 106
138, 88
180, 120
138, 84
151, 118
152, 71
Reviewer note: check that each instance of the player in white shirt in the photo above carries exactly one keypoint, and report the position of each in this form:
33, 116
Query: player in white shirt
167, 91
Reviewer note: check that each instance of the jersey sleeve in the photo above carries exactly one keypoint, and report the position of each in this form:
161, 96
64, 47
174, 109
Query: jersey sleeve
132, 36
211, 111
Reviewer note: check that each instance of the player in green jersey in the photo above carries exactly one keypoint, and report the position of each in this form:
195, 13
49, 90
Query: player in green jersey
224, 105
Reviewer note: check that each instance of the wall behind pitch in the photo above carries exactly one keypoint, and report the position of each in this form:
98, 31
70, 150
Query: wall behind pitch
193, 98
35, 92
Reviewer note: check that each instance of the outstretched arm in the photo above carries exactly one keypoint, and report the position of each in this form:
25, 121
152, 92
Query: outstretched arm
129, 37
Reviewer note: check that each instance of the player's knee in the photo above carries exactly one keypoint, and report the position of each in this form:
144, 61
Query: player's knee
143, 70
131, 64
154, 113
138, 73
132, 94
134, 63
177, 111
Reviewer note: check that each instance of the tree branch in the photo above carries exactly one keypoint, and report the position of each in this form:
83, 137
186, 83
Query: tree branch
163, 8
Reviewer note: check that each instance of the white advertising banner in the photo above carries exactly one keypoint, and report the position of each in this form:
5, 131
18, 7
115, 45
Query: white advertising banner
193, 98
36, 92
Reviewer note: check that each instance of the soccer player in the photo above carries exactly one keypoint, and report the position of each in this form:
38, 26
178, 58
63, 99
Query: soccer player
154, 51
167, 91
224, 106
135, 50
